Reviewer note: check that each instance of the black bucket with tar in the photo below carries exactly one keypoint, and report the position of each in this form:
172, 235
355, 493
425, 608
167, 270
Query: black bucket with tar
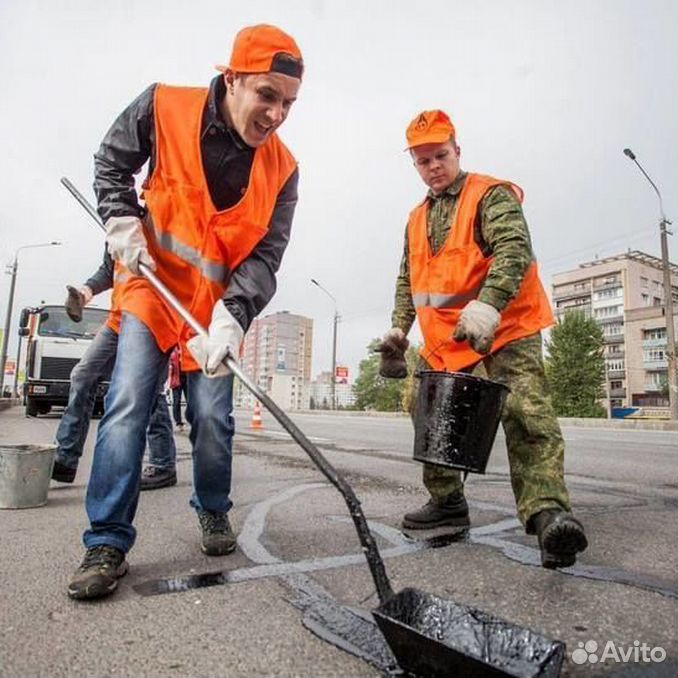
456, 419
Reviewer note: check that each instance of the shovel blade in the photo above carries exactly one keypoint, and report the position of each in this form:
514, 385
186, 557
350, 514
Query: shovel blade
432, 636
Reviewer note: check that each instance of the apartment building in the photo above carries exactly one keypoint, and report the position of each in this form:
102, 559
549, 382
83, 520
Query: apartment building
625, 295
278, 350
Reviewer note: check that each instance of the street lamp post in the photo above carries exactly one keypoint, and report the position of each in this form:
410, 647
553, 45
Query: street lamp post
12, 270
668, 294
333, 383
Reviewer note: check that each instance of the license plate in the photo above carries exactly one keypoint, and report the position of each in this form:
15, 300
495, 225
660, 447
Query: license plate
39, 389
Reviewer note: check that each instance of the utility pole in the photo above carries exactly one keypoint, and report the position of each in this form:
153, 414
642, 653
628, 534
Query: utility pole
668, 294
11, 270
333, 383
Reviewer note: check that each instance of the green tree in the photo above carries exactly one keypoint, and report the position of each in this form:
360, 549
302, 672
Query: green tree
575, 367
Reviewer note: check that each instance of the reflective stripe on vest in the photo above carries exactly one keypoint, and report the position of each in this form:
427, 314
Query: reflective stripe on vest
423, 299
212, 270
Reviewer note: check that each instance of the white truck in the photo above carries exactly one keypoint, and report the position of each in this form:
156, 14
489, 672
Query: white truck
55, 344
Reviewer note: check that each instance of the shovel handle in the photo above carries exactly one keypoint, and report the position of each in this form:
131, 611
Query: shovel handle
376, 564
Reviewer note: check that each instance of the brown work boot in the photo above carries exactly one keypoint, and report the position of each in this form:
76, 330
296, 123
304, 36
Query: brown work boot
98, 573
451, 511
561, 536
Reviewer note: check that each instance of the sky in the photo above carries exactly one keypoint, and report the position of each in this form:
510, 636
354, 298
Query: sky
542, 92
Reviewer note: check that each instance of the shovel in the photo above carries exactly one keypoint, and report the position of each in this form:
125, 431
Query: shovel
428, 635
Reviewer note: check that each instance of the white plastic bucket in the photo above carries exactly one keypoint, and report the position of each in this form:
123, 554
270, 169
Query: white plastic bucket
25, 472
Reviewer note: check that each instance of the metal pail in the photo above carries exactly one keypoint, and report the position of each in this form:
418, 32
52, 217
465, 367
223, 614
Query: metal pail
456, 419
25, 472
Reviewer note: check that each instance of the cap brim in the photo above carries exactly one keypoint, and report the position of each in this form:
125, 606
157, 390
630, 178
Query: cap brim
222, 68
436, 138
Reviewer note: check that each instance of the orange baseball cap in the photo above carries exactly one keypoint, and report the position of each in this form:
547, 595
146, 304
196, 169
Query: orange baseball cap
264, 48
429, 127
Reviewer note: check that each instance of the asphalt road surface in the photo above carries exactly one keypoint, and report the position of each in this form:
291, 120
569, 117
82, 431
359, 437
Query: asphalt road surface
294, 598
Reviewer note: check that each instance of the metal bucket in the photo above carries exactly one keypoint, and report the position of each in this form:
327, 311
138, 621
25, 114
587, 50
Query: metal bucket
434, 637
25, 472
456, 419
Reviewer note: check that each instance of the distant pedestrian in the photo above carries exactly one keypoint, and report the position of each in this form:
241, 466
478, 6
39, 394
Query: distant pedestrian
94, 366
177, 382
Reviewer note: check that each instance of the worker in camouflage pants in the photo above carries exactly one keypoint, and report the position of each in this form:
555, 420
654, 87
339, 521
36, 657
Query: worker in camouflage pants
469, 276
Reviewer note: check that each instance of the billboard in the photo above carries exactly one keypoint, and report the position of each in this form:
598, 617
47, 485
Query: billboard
341, 375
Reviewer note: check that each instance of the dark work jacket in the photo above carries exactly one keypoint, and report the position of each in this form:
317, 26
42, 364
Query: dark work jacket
227, 162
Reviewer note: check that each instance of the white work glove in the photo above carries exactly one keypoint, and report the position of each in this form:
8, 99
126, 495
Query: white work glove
224, 336
127, 243
478, 322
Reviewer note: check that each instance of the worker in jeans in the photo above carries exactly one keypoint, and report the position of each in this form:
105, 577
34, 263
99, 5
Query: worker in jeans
96, 365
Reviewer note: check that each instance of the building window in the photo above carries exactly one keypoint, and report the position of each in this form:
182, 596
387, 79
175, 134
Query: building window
611, 293
607, 312
652, 355
644, 282
615, 384
656, 301
613, 329
656, 333
615, 365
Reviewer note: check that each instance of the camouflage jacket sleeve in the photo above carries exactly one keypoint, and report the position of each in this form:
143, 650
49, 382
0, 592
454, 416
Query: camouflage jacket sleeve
403, 313
504, 235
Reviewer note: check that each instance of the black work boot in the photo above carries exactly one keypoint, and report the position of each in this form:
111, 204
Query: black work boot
452, 511
561, 536
98, 574
218, 538
153, 478
62, 473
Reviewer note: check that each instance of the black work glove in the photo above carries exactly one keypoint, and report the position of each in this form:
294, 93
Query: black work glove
392, 348
74, 303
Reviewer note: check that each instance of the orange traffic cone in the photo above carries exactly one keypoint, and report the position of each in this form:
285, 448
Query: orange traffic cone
256, 417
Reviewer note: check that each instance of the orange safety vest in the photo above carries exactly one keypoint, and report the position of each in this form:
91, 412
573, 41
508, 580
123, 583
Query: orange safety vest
442, 284
195, 247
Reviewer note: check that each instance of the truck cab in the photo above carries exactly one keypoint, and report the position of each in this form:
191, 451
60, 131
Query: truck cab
55, 345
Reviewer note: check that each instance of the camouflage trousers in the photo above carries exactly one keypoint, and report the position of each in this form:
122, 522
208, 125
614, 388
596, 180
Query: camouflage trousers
533, 438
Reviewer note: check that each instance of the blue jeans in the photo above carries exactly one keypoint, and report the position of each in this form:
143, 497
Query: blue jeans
113, 491
71, 435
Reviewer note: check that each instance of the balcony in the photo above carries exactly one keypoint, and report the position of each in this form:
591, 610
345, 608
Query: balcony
651, 387
570, 293
655, 365
603, 285
616, 374
617, 355
654, 343
617, 393
614, 339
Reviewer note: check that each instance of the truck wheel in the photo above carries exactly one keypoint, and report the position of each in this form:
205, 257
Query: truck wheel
31, 408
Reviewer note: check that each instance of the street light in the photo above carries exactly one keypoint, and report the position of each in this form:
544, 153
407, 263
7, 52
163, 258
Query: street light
333, 383
12, 270
668, 293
